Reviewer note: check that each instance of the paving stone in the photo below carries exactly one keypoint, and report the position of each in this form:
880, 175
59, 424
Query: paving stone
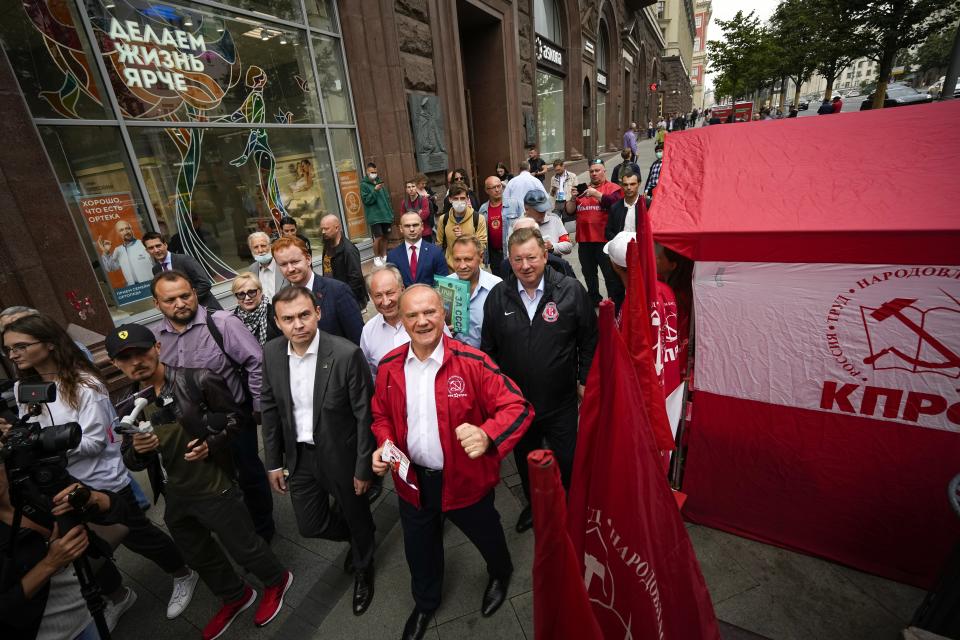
503, 625
725, 576
523, 608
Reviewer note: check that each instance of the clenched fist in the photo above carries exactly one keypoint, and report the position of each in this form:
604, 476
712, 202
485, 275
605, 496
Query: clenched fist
473, 439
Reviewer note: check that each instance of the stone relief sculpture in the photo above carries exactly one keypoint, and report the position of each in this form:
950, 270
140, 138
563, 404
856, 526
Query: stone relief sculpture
426, 120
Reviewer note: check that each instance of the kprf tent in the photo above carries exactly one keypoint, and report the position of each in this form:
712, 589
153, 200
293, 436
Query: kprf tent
826, 415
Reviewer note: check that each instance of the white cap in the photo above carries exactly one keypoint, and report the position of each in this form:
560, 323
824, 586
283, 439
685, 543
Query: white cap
617, 248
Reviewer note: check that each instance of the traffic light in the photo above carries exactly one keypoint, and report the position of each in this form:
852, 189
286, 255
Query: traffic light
654, 86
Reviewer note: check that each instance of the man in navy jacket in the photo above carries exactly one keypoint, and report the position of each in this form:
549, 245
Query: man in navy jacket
418, 261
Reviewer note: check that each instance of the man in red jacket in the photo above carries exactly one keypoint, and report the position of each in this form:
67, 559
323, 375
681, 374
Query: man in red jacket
444, 409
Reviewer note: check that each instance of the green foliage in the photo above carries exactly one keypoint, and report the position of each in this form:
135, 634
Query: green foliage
793, 29
934, 53
743, 59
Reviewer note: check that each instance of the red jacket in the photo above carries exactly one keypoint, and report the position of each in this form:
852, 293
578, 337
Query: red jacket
469, 388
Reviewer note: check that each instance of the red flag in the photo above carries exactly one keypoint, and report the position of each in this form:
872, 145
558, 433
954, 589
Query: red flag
561, 608
639, 306
640, 570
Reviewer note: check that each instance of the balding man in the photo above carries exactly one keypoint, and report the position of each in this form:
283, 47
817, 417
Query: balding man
266, 270
449, 410
341, 258
130, 257
500, 214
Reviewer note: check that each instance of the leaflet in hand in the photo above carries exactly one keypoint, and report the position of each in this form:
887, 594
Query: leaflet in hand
398, 459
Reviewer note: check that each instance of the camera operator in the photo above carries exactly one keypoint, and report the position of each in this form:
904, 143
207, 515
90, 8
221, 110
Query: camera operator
43, 351
193, 415
39, 592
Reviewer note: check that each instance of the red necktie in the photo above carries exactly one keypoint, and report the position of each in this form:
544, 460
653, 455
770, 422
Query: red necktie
413, 262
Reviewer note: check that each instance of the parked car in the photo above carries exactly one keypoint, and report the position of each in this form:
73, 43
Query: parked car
803, 105
898, 95
937, 88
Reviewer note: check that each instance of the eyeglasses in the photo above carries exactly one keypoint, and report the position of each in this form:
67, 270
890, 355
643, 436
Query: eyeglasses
249, 293
18, 348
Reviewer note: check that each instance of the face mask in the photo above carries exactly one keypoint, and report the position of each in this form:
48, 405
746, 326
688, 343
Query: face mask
459, 206
265, 259
659, 155
373, 176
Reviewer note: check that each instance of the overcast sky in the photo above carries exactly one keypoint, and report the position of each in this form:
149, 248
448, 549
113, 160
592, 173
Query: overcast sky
726, 9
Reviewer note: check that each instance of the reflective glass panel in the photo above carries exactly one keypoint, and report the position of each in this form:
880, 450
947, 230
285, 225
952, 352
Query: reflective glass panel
50, 56
333, 80
321, 15
187, 62
215, 186
550, 115
108, 211
349, 171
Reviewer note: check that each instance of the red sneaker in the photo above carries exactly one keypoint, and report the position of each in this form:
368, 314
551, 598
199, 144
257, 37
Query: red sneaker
227, 614
272, 601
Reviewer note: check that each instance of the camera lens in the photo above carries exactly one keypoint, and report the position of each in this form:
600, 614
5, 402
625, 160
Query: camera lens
60, 438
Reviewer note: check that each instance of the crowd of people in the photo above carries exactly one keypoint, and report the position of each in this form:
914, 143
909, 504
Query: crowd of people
340, 398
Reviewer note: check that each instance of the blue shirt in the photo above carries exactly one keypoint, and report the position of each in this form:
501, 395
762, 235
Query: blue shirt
486, 282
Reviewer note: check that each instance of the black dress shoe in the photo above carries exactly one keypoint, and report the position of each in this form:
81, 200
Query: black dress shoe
494, 595
362, 590
416, 625
525, 521
348, 561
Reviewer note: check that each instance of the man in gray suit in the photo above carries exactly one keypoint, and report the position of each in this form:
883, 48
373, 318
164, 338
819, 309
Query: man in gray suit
315, 402
266, 270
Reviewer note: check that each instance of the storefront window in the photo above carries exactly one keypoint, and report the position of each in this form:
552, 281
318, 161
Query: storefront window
601, 121
214, 221
321, 15
283, 9
50, 56
550, 117
547, 20
349, 172
333, 80
179, 63
107, 208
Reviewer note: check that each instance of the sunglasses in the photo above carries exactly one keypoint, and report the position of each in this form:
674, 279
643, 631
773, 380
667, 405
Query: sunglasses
249, 293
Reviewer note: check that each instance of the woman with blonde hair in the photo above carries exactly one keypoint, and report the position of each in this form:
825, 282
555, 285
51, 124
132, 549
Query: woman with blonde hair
253, 308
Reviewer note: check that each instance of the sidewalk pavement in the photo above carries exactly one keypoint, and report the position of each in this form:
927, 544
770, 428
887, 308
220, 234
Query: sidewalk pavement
758, 591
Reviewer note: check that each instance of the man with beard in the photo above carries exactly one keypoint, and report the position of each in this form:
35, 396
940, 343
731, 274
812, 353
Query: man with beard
130, 258
192, 336
341, 258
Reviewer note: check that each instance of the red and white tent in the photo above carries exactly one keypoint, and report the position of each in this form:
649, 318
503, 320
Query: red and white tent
826, 416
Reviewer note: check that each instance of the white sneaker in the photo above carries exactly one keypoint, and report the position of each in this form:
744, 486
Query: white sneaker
377, 261
112, 612
182, 594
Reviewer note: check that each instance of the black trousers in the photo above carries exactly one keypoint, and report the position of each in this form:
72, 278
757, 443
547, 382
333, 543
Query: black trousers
592, 257
144, 538
423, 538
311, 488
556, 431
192, 520
253, 478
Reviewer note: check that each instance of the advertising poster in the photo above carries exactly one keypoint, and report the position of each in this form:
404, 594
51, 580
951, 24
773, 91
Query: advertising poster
352, 204
116, 233
456, 301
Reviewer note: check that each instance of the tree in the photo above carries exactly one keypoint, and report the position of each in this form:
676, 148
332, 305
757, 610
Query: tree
838, 38
892, 25
793, 27
742, 58
934, 53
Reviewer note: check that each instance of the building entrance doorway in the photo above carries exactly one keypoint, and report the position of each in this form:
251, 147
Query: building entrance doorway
485, 90
588, 150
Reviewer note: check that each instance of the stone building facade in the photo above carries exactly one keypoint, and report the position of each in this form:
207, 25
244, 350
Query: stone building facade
679, 30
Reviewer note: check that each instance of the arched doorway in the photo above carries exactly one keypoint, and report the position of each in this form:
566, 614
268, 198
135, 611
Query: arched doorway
588, 149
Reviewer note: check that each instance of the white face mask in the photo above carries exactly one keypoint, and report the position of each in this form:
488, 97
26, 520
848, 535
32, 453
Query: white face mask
459, 206
659, 155
373, 176
265, 259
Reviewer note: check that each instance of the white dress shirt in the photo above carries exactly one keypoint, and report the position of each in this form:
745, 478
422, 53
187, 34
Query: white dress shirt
167, 263
528, 302
379, 338
303, 370
418, 244
268, 280
630, 220
423, 429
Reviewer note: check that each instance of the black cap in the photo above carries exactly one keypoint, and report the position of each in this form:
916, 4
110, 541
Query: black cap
129, 336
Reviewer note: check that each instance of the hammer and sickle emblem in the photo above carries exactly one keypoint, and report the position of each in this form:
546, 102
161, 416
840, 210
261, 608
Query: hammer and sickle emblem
894, 309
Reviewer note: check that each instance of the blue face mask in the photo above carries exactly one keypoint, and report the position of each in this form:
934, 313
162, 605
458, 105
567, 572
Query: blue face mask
659, 155
265, 259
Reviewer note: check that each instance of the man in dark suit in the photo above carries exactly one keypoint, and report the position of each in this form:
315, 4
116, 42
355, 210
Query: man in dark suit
340, 315
167, 260
341, 258
418, 261
315, 401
